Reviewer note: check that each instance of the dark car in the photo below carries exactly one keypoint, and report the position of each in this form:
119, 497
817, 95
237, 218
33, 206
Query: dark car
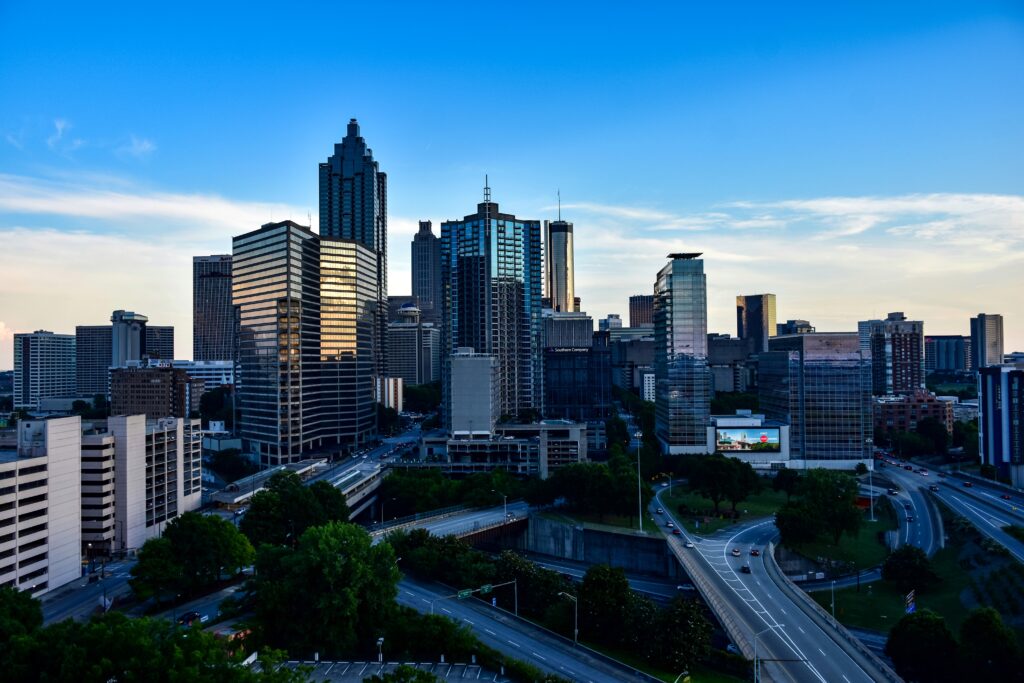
968, 484
910, 519
909, 468
1005, 496
908, 506
745, 569
676, 532
933, 487
754, 552
187, 618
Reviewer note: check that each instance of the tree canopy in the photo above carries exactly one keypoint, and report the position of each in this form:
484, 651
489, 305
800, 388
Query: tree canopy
826, 503
281, 513
908, 567
922, 648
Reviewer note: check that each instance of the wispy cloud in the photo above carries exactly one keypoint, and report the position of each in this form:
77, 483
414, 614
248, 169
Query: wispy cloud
137, 147
59, 126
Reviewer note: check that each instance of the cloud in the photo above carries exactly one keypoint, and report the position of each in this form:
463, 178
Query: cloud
59, 125
14, 141
137, 147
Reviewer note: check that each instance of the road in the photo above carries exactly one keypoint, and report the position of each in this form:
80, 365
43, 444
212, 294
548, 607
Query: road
79, 599
514, 637
659, 589
461, 522
791, 645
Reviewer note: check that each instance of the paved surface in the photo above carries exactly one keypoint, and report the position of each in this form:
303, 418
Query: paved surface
462, 522
661, 589
514, 637
80, 599
791, 645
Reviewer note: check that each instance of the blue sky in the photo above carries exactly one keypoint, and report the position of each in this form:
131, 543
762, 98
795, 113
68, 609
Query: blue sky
852, 158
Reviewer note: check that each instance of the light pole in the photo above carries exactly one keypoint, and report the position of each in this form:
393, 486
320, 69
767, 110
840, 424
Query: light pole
871, 486
382, 517
757, 665
380, 650
504, 501
833, 600
639, 498
576, 617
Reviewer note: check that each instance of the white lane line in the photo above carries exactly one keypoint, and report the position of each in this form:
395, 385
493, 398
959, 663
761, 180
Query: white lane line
446, 610
511, 642
845, 678
782, 610
468, 621
538, 656
821, 651
423, 599
802, 631
490, 632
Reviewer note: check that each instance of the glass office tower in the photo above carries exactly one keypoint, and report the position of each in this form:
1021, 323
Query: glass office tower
682, 380
491, 277
559, 273
213, 316
755, 319
426, 273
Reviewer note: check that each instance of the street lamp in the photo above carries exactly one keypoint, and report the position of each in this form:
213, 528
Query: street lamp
380, 651
576, 617
833, 600
871, 469
639, 498
504, 500
757, 665
382, 517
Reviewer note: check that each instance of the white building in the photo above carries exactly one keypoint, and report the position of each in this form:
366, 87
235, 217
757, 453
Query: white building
44, 367
40, 505
474, 386
98, 490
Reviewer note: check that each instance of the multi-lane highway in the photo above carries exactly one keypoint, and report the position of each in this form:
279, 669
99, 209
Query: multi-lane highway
791, 644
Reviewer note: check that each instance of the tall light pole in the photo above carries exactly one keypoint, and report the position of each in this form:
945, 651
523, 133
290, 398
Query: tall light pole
757, 664
380, 650
871, 469
833, 600
639, 498
504, 501
576, 618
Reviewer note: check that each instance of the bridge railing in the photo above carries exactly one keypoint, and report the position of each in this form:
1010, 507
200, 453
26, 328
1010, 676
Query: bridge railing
418, 517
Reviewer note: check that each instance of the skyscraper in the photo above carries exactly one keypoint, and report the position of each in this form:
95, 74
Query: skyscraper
128, 338
820, 385
491, 269
897, 354
947, 353
1001, 420
641, 310
987, 340
755, 319
426, 273
414, 348
577, 367
44, 367
213, 316
92, 351
559, 275
354, 206
683, 385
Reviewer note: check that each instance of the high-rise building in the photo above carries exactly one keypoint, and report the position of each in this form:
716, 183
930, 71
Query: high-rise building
986, 340
947, 353
1001, 420
40, 518
492, 273
558, 260
475, 393
154, 389
92, 352
793, 327
354, 206
577, 368
276, 287
612, 322
159, 342
129, 337
44, 367
213, 316
897, 355
426, 273
683, 384
414, 349
820, 385
755, 319
641, 310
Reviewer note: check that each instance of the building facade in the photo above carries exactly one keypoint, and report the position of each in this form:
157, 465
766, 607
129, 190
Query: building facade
154, 389
559, 273
212, 373
986, 340
414, 349
492, 274
354, 206
683, 384
793, 327
213, 315
44, 367
641, 310
820, 385
897, 355
475, 393
1001, 420
613, 321
755, 319
426, 273
92, 359
128, 337
947, 353
903, 413
577, 368
99, 473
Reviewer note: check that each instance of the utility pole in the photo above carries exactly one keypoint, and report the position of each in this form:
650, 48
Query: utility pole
576, 618
639, 498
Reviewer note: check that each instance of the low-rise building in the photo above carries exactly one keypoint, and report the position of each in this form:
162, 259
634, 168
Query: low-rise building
751, 438
903, 413
154, 389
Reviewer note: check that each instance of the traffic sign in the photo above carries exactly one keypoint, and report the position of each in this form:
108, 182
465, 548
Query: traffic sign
909, 600
486, 588
465, 594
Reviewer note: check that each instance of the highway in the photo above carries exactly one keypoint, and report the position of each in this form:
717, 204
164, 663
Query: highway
791, 645
79, 599
659, 589
460, 522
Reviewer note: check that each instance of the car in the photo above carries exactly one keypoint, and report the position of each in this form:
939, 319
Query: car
891, 492
676, 532
732, 649
923, 473
664, 484
968, 485
910, 519
670, 525
908, 506
688, 544
942, 474
661, 511
1005, 496
685, 587
745, 569
933, 487
909, 468
188, 618
735, 552
754, 552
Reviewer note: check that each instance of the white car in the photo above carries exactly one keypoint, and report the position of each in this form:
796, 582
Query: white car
688, 544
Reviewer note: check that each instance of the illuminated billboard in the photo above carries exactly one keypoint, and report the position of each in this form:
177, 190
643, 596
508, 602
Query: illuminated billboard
756, 439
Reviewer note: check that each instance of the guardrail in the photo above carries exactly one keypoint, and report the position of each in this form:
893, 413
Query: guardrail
418, 517
846, 640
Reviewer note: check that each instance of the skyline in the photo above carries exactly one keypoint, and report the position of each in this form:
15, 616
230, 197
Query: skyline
877, 152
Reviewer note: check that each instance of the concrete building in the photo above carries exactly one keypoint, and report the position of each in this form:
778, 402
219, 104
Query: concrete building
354, 206
683, 400
820, 385
475, 401
158, 475
1001, 420
537, 449
628, 354
492, 271
903, 413
414, 348
99, 469
426, 274
391, 393
986, 340
40, 505
559, 270
129, 337
154, 389
649, 384
214, 326
92, 359
755, 319
641, 310
947, 353
612, 322
44, 367
897, 354
793, 327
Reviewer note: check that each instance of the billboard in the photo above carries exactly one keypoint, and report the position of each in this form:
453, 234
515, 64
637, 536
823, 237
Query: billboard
756, 439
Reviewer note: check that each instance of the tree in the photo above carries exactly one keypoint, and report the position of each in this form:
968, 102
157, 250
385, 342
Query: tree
158, 572
831, 496
282, 512
934, 432
989, 650
742, 483
861, 469
343, 587
922, 648
20, 617
712, 478
207, 547
604, 598
404, 674
797, 523
786, 480
965, 436
422, 398
908, 567
230, 464
216, 404
684, 632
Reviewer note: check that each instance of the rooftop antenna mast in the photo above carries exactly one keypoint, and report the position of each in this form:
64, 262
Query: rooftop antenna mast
487, 190
559, 204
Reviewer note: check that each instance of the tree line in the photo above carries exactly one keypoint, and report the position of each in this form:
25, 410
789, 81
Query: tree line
820, 502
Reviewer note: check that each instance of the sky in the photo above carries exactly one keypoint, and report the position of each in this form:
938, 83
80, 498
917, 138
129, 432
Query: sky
852, 158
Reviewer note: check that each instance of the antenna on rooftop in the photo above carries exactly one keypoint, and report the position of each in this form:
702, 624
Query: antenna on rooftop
487, 190
559, 204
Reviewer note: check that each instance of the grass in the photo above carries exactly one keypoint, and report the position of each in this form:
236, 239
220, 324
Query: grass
699, 673
763, 504
865, 550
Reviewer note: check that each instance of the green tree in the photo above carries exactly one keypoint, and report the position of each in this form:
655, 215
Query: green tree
282, 512
713, 478
341, 585
684, 633
604, 601
796, 523
422, 398
216, 404
908, 567
831, 496
934, 432
742, 483
989, 650
786, 480
404, 674
922, 649
965, 436
230, 464
158, 571
861, 469
208, 547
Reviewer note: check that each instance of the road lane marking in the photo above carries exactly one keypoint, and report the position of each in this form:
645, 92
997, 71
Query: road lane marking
542, 657
512, 642
468, 621
446, 610
821, 651
802, 631
490, 632
408, 593
845, 678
